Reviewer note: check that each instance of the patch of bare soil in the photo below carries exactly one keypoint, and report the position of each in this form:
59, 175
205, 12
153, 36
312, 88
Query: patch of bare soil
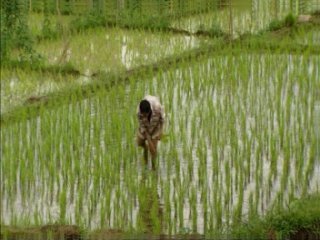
305, 234
72, 232
304, 18
106, 234
53, 232
282, 32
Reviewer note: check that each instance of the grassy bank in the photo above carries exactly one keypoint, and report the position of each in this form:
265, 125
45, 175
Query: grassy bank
299, 220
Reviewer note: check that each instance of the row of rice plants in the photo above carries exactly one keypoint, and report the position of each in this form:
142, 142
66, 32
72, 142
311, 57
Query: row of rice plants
240, 140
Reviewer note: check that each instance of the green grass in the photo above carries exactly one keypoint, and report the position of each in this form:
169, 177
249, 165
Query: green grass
300, 219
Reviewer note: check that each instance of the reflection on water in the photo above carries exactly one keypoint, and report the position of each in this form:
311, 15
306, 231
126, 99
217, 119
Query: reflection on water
150, 212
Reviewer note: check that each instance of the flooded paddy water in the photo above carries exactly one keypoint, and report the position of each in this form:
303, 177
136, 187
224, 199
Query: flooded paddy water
241, 138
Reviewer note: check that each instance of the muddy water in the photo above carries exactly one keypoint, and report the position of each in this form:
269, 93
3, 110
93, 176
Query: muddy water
237, 142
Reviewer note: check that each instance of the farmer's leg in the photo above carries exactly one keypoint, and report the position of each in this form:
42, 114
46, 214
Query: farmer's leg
142, 143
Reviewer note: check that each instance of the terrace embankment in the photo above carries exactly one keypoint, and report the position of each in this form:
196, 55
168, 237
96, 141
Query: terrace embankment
70, 232
269, 41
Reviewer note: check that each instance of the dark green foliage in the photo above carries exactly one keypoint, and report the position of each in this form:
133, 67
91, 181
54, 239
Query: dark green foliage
254, 229
48, 31
132, 19
4, 36
216, 31
87, 21
66, 8
52, 30
301, 215
275, 25
288, 21
8, 19
15, 32
135, 19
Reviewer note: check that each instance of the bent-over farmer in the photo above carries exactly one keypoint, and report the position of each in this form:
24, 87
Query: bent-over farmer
151, 120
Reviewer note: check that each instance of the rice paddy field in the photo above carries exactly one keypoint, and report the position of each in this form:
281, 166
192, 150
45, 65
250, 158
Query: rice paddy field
241, 140
112, 50
241, 18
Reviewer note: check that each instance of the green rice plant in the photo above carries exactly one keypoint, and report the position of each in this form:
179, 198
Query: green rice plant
62, 206
285, 173
237, 215
218, 212
205, 204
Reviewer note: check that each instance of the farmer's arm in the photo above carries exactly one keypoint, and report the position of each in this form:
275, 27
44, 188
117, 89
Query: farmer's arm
142, 125
150, 144
156, 132
143, 131
158, 125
